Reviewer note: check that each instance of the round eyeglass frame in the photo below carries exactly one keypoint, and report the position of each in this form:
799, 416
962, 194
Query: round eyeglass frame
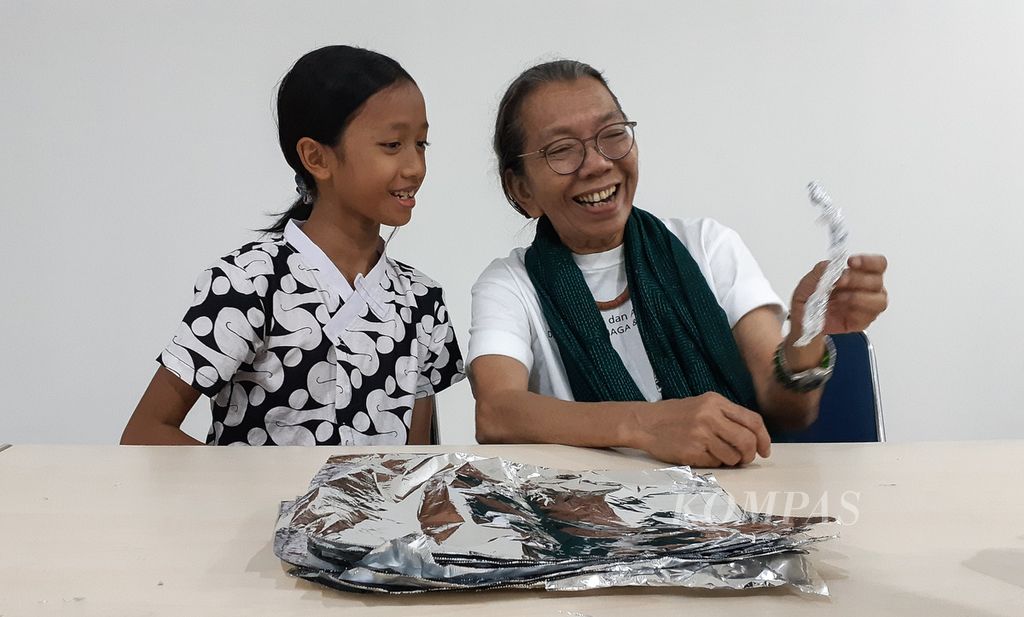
628, 124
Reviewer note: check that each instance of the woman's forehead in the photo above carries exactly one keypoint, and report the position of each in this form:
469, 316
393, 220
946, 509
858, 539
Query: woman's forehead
568, 107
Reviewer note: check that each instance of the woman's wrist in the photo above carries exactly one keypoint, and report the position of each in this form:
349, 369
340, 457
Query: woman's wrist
802, 378
631, 433
806, 357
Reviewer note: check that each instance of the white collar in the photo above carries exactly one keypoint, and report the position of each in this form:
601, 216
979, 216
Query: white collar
604, 259
327, 274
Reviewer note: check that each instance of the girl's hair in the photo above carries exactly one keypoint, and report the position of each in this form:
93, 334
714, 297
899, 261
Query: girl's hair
508, 128
318, 98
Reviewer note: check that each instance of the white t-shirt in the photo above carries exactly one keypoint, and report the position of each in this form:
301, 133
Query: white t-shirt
508, 319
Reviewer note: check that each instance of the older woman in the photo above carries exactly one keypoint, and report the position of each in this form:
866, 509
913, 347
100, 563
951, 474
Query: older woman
616, 328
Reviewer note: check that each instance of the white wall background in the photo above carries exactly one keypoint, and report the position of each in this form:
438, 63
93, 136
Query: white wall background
137, 143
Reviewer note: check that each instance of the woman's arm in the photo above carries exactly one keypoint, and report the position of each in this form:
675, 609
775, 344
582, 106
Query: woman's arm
858, 298
158, 416
758, 335
705, 431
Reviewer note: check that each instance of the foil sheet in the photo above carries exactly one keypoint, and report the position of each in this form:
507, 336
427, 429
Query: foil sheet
817, 304
410, 523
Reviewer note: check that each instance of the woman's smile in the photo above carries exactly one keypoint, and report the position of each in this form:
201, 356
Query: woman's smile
598, 197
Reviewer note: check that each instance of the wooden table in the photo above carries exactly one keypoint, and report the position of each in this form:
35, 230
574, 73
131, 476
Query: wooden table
930, 529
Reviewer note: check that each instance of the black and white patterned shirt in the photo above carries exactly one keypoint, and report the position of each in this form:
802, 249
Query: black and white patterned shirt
291, 354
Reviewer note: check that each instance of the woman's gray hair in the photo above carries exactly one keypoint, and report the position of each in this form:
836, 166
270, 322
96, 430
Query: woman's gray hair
508, 128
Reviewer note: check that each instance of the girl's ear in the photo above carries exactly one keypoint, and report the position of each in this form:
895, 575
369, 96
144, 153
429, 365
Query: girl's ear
316, 158
519, 189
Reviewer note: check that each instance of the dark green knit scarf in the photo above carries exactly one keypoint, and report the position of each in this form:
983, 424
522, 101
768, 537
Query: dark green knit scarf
684, 330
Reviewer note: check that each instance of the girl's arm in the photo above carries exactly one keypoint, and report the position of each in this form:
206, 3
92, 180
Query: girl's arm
422, 418
157, 418
706, 430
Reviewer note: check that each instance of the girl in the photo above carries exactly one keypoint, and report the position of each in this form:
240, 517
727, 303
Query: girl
316, 336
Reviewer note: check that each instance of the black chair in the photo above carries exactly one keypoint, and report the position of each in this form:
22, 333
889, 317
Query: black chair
851, 408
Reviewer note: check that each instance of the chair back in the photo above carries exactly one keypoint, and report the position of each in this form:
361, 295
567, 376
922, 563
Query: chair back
851, 407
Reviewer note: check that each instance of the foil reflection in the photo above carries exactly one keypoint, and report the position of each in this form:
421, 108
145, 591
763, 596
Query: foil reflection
409, 523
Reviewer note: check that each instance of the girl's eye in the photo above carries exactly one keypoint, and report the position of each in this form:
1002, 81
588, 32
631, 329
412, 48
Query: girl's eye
392, 145
422, 145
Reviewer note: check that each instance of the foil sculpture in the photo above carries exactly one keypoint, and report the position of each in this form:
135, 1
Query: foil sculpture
817, 304
409, 523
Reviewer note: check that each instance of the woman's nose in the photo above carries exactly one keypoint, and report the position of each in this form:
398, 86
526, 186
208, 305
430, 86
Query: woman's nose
594, 163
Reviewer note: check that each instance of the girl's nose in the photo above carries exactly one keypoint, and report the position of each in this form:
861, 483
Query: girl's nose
415, 166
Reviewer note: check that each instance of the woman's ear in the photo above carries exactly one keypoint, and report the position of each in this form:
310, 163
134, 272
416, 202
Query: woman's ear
519, 190
316, 158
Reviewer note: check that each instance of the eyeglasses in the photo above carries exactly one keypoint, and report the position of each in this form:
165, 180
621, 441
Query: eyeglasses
565, 156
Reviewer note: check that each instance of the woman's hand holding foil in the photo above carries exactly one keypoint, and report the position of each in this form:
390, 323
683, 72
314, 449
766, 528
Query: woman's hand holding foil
856, 301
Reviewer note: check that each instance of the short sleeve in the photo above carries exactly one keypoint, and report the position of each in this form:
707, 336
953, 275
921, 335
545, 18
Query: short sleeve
221, 331
500, 321
443, 365
739, 283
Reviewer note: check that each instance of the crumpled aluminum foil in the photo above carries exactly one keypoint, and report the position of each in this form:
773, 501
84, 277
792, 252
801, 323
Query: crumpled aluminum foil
407, 523
817, 304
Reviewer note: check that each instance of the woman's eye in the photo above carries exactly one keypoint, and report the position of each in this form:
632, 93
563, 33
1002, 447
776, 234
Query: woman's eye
392, 145
560, 151
422, 145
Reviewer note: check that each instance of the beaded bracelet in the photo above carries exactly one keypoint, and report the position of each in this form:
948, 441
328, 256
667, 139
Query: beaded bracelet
812, 378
